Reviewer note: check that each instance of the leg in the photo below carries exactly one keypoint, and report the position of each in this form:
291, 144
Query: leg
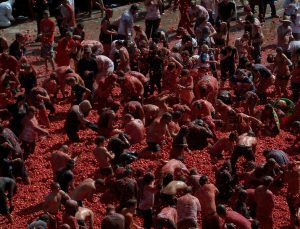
155, 26
234, 158
149, 28
273, 8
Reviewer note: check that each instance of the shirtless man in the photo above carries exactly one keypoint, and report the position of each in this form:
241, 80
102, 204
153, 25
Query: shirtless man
282, 69
104, 91
171, 166
124, 64
103, 157
166, 218
151, 112
224, 145
233, 217
113, 220
53, 201
135, 108
131, 87
59, 158
86, 189
180, 144
185, 87
207, 88
157, 131
106, 121
84, 217
71, 207
134, 128
206, 194
201, 108
264, 203
246, 146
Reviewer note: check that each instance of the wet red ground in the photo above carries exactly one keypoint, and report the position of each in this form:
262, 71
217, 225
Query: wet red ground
30, 197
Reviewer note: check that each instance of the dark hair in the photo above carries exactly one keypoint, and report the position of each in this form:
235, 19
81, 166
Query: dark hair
44, 218
100, 182
148, 178
131, 203
99, 140
81, 26
203, 180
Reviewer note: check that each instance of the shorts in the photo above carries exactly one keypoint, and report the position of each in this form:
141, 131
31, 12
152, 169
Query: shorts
47, 51
187, 224
106, 171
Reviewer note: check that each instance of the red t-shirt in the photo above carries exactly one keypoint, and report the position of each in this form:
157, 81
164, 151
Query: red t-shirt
63, 52
240, 221
47, 29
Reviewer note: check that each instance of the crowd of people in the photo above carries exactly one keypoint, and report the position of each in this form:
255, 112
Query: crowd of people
149, 89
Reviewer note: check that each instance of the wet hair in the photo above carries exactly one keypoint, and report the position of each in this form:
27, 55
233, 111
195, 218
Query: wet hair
54, 185
69, 70
184, 130
233, 136
166, 115
279, 50
131, 203
99, 140
221, 210
193, 171
203, 180
148, 178
184, 72
185, 53
44, 218
110, 208
70, 164
176, 115
32, 109
100, 182
267, 180
188, 189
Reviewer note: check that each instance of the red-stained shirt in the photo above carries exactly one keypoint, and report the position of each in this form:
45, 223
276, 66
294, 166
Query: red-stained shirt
240, 221
188, 207
47, 29
168, 213
63, 52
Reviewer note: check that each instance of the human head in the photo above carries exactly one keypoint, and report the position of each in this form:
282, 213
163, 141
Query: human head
233, 136
99, 140
184, 72
70, 164
166, 118
119, 44
85, 107
134, 9
109, 12
148, 178
221, 210
203, 180
69, 35
19, 37
54, 187
45, 218
31, 111
295, 127
87, 52
279, 50
46, 14
267, 181
242, 195
110, 209
100, 185
131, 205
128, 118
184, 130
80, 26
71, 207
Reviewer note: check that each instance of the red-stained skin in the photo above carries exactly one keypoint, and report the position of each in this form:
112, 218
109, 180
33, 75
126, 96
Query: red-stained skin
28, 199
